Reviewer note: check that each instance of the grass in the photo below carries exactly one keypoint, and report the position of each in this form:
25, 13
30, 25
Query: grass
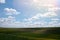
30, 34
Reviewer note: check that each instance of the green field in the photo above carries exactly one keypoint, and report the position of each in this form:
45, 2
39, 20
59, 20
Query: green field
30, 34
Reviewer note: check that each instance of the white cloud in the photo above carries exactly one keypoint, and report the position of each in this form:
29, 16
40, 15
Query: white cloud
10, 11
33, 17
44, 24
9, 19
7, 22
55, 19
48, 14
53, 8
53, 24
1, 20
10, 22
47, 3
42, 15
2, 1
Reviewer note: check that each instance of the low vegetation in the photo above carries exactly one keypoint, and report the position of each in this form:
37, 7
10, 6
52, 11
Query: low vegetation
30, 34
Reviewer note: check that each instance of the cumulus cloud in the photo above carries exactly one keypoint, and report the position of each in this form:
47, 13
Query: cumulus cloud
33, 18
55, 19
42, 15
11, 11
10, 22
53, 24
48, 3
48, 14
2, 1
9, 19
7, 22
42, 24
53, 8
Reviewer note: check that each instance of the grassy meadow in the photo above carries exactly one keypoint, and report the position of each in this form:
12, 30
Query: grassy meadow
30, 33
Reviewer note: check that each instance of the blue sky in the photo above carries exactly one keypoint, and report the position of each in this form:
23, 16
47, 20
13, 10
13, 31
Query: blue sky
29, 13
